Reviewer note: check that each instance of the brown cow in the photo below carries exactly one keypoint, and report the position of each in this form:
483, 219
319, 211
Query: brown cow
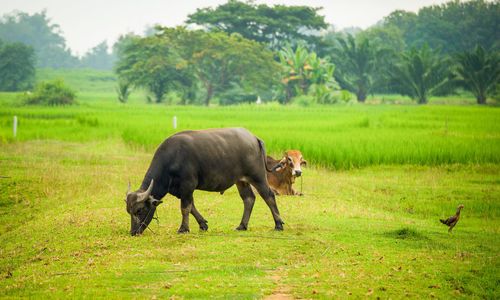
282, 178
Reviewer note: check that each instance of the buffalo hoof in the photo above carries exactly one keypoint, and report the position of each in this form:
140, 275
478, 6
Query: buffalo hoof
203, 227
278, 228
182, 230
241, 228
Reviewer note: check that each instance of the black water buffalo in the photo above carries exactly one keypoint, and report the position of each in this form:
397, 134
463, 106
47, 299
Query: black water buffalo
209, 160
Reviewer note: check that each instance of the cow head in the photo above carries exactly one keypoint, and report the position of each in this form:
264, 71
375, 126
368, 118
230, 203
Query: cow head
141, 206
294, 161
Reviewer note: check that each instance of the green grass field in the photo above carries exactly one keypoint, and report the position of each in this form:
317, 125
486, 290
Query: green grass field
378, 180
337, 137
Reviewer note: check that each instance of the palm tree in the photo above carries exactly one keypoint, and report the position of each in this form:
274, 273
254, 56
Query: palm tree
478, 71
420, 74
357, 62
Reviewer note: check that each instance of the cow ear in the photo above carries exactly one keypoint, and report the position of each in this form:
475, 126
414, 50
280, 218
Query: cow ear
282, 164
154, 201
303, 163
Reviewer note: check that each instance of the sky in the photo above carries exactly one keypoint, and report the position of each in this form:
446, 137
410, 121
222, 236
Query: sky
85, 24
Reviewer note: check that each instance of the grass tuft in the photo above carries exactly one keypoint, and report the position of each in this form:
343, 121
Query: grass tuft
406, 233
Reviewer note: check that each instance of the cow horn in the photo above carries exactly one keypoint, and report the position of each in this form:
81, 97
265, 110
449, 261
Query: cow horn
128, 189
144, 196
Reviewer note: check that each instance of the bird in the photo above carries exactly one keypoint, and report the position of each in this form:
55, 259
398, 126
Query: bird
452, 221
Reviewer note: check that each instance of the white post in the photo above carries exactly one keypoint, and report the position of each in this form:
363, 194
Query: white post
15, 126
174, 122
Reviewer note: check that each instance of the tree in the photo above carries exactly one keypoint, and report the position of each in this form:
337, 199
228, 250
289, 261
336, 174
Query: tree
219, 60
123, 91
357, 62
36, 30
306, 73
98, 58
420, 74
274, 26
390, 37
478, 71
152, 63
453, 26
17, 66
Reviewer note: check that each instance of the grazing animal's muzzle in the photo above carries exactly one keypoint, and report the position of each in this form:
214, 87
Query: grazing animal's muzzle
298, 173
136, 232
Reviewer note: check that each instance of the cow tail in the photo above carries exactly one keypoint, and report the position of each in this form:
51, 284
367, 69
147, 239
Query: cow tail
263, 152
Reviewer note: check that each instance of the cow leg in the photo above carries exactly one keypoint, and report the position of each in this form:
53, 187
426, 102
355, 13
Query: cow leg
267, 194
199, 218
186, 206
296, 193
248, 197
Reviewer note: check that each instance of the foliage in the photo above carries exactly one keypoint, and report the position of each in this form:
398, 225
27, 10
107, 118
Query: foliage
329, 93
420, 74
358, 62
36, 30
453, 26
303, 100
329, 41
387, 37
274, 26
152, 63
478, 71
123, 91
17, 66
304, 70
51, 93
220, 60
50, 48
238, 94
98, 58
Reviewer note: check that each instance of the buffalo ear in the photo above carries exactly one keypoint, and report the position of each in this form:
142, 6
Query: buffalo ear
154, 201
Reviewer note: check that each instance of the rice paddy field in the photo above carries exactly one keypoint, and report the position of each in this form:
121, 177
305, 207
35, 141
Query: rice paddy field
338, 137
379, 178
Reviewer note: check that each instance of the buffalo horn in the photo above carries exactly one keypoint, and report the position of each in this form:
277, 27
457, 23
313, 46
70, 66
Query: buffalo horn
128, 189
144, 196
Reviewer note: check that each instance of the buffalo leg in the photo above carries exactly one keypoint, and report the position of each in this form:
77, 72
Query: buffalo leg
267, 194
186, 206
199, 218
248, 197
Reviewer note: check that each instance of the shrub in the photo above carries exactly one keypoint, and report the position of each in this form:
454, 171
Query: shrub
237, 95
53, 92
123, 91
303, 100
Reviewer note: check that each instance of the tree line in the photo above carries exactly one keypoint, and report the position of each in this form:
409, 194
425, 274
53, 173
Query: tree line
48, 43
289, 53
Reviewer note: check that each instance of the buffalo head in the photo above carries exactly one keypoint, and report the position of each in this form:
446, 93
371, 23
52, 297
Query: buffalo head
141, 206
